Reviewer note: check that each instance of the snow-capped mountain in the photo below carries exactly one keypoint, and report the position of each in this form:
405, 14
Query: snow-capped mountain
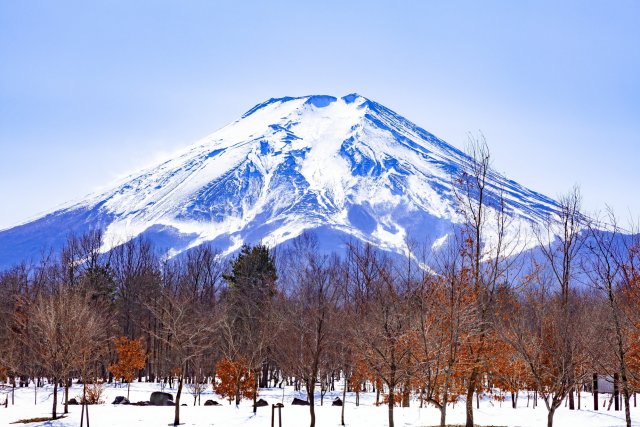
344, 167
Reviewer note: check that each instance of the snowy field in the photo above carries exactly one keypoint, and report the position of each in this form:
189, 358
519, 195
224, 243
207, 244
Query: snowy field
367, 414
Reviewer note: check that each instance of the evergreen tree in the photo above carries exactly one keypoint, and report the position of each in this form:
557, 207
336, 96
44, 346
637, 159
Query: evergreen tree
253, 277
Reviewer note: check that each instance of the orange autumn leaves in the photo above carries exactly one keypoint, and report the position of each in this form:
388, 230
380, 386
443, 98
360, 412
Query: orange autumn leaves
235, 379
131, 357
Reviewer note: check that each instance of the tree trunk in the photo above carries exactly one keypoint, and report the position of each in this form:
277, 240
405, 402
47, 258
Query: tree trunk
443, 415
406, 395
66, 396
391, 405
627, 410
311, 384
264, 378
55, 398
550, 417
344, 399
572, 403
469, 402
255, 391
84, 401
176, 418
616, 393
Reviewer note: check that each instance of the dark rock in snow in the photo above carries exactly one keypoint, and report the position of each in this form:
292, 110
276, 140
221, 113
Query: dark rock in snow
337, 402
160, 398
73, 401
300, 402
211, 403
120, 400
262, 402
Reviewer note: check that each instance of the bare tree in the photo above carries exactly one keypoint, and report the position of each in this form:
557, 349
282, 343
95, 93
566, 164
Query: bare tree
311, 316
446, 314
561, 244
609, 255
186, 326
490, 242
383, 325
65, 334
550, 347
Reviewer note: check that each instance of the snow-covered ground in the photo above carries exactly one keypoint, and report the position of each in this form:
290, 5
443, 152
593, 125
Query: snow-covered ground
367, 414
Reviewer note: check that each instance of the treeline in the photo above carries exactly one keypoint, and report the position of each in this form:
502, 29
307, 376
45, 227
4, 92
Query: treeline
476, 315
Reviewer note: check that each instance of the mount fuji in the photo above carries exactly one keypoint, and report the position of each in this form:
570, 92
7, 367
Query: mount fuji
343, 168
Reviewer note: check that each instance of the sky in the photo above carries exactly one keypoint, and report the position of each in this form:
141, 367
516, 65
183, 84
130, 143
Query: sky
92, 91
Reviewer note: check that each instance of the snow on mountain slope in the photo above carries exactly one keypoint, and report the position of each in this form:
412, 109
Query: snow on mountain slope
345, 167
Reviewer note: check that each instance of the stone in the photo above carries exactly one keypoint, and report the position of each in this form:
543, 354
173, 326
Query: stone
73, 401
262, 402
299, 402
120, 400
337, 402
211, 403
160, 398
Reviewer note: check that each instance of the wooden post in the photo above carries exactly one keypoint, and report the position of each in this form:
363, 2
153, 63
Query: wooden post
595, 392
273, 415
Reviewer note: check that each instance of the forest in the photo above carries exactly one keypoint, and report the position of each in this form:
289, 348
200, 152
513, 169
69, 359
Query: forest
476, 316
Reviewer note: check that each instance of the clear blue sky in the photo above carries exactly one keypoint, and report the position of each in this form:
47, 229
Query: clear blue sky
90, 90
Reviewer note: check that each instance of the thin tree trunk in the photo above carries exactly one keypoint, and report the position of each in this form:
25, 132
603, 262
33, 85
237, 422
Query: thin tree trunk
176, 419
443, 415
84, 401
579, 396
550, 417
55, 398
595, 392
86, 409
572, 403
625, 397
616, 393
255, 391
391, 405
311, 384
469, 402
344, 399
66, 396
406, 395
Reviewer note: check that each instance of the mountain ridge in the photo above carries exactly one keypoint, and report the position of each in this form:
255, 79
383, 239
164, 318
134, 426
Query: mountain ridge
348, 166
